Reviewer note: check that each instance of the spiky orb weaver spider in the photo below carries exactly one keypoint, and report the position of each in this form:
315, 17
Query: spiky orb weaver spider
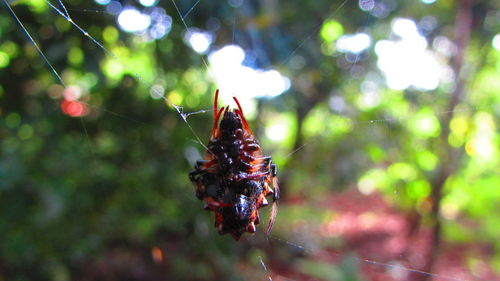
234, 178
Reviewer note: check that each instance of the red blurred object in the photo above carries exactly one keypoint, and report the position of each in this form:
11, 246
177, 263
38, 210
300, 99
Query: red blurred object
157, 254
74, 108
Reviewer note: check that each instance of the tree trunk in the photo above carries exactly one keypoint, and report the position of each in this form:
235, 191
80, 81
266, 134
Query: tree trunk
449, 155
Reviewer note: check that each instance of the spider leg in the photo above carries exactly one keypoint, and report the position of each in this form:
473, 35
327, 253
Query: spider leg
272, 218
267, 166
205, 164
193, 175
274, 169
274, 207
212, 203
261, 167
253, 167
252, 146
251, 157
240, 113
202, 167
200, 163
246, 155
262, 202
256, 176
276, 195
215, 102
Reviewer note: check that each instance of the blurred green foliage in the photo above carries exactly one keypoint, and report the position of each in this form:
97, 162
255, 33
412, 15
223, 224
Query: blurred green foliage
87, 198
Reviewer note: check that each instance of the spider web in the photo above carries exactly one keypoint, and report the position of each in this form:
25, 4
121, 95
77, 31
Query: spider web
301, 247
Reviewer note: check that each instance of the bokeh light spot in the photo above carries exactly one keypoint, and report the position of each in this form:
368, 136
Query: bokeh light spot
234, 77
72, 93
25, 132
366, 5
199, 40
13, 120
132, 20
4, 59
235, 3
407, 62
75, 56
74, 108
425, 124
110, 34
276, 132
354, 43
174, 98
427, 160
102, 2
496, 42
331, 30
148, 3
157, 91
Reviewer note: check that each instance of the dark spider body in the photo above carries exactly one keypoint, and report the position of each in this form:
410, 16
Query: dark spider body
234, 178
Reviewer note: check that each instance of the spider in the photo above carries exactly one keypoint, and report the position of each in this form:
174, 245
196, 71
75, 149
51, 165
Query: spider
235, 178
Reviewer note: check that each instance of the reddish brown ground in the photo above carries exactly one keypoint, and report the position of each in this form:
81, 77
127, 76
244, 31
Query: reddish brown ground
384, 249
